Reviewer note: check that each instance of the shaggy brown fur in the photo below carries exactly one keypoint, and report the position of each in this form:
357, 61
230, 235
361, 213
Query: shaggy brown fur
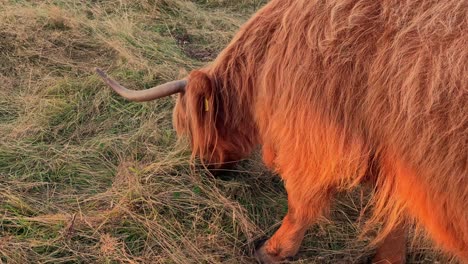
333, 90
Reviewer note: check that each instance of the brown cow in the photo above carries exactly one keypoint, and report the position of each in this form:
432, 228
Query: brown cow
338, 92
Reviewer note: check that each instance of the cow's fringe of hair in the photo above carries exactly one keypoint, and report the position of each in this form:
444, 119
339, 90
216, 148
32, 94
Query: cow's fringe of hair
334, 88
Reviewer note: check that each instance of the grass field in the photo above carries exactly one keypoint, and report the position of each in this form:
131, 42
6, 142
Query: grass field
87, 177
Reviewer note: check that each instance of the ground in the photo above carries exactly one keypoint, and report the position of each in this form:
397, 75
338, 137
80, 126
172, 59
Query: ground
87, 177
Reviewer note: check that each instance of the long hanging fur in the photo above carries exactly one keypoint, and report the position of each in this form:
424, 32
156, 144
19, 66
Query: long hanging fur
334, 88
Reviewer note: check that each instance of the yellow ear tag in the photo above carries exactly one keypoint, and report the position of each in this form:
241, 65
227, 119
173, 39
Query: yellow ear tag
207, 105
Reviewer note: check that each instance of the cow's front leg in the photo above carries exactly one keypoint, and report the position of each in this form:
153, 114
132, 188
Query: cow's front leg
302, 213
268, 155
392, 250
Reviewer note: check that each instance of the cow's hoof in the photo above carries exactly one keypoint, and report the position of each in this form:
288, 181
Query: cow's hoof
263, 257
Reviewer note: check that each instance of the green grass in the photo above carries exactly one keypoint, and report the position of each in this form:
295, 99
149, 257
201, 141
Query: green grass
87, 177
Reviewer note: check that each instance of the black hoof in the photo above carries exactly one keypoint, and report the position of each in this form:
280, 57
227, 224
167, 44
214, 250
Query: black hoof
260, 242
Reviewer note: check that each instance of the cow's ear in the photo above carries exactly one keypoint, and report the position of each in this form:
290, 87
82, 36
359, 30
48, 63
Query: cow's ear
201, 93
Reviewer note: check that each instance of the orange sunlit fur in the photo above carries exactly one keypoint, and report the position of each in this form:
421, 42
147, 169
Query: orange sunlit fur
333, 88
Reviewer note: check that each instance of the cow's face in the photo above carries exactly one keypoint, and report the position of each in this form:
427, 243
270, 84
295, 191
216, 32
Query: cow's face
199, 115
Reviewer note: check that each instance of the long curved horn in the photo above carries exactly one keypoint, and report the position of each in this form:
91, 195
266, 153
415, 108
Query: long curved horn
157, 92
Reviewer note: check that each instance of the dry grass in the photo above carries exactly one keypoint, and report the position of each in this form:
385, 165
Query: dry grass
86, 177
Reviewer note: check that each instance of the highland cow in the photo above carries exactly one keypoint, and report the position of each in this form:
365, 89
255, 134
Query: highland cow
339, 93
